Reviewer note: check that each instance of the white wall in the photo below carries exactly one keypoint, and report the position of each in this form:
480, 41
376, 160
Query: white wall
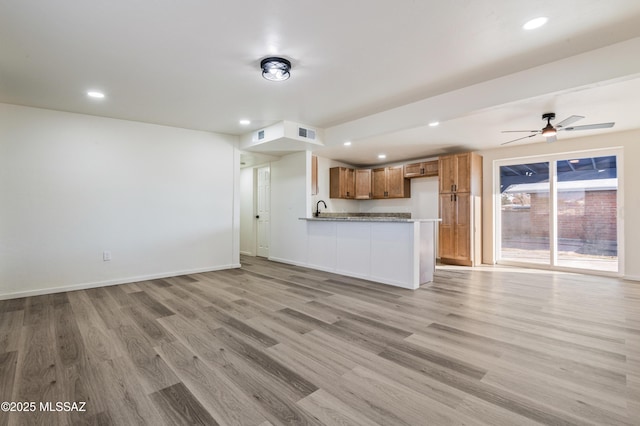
247, 212
290, 200
423, 203
161, 199
629, 141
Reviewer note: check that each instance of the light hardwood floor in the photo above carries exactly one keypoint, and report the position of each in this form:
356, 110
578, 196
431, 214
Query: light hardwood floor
278, 344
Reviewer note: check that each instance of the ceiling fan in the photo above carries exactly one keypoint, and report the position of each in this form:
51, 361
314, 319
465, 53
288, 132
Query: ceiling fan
550, 132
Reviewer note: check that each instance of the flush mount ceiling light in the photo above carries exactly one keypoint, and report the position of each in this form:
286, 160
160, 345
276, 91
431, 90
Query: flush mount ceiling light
535, 23
275, 68
95, 94
382, 156
245, 122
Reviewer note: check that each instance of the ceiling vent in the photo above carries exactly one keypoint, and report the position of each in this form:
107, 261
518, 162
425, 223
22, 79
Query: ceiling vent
306, 133
260, 135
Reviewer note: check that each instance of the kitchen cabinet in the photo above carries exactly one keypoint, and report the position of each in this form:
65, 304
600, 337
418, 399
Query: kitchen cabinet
455, 212
460, 203
455, 172
423, 169
342, 183
389, 182
314, 175
363, 184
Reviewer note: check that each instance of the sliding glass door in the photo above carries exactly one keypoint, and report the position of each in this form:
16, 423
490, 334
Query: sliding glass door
524, 207
560, 213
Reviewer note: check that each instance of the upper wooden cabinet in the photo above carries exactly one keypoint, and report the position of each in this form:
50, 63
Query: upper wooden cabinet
363, 184
423, 169
314, 175
342, 183
458, 173
389, 182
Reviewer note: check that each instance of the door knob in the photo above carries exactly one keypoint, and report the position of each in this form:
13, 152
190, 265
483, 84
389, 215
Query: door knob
257, 216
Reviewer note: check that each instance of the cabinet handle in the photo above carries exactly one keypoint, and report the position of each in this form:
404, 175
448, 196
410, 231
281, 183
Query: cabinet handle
421, 171
451, 197
455, 188
451, 187
370, 195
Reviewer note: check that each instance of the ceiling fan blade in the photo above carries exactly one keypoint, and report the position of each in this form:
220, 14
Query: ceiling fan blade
589, 127
520, 131
569, 120
552, 139
524, 137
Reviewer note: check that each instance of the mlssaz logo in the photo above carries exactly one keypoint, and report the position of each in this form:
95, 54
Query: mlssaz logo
65, 406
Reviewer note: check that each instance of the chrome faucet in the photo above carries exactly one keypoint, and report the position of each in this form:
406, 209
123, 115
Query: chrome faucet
317, 213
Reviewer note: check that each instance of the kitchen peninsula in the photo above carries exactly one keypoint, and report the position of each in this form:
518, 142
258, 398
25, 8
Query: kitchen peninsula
389, 250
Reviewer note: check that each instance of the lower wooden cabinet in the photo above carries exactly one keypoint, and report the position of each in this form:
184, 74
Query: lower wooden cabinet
389, 182
459, 237
454, 228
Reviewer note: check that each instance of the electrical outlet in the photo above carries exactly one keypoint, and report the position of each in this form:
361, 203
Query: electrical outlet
106, 256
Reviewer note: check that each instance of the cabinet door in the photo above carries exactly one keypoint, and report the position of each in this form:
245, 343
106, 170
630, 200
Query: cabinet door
363, 184
379, 182
413, 170
430, 168
446, 236
462, 226
447, 172
341, 182
314, 175
463, 173
335, 183
349, 180
395, 182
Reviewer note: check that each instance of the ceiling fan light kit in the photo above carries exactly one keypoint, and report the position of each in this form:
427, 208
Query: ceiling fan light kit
549, 131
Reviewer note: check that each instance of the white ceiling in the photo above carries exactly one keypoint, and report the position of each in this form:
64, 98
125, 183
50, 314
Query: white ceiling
374, 72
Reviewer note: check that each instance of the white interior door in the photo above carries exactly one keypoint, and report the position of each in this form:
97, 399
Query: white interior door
263, 202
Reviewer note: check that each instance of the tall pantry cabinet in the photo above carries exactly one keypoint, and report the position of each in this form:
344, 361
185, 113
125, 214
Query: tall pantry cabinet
460, 236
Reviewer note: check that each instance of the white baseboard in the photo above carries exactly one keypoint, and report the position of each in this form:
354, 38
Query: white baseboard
631, 277
345, 273
288, 262
247, 253
117, 281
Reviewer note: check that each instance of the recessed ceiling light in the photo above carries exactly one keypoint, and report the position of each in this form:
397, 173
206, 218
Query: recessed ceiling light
95, 94
382, 156
434, 123
347, 143
245, 122
535, 23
